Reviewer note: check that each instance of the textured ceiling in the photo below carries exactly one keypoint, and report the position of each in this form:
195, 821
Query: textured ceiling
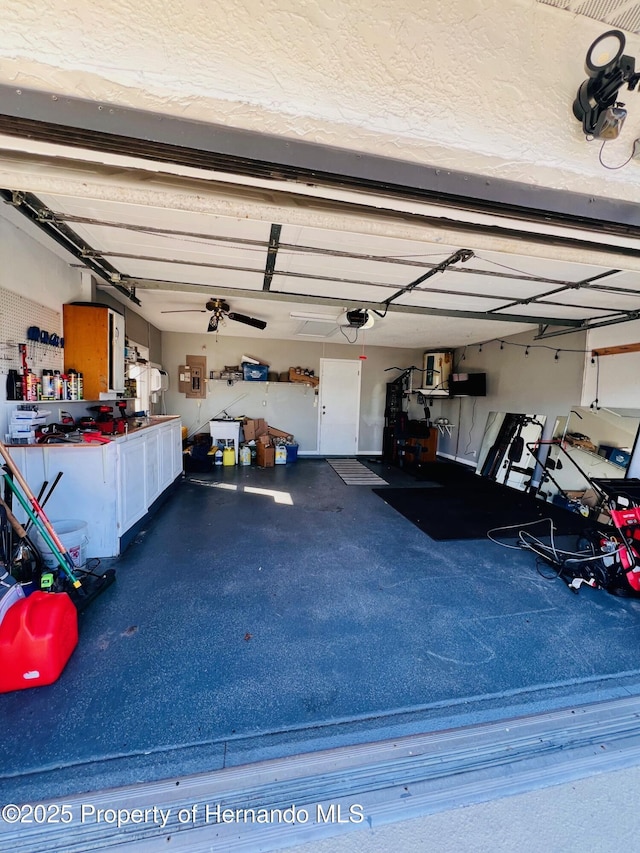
617, 14
462, 89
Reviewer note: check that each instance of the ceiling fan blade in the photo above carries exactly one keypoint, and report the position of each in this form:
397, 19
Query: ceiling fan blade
185, 311
248, 321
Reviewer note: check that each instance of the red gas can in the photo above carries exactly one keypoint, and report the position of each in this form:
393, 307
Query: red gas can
37, 636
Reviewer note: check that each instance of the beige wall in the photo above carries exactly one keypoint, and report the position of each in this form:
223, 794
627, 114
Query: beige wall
284, 406
536, 383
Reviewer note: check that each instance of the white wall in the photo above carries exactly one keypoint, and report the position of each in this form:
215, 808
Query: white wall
33, 272
613, 379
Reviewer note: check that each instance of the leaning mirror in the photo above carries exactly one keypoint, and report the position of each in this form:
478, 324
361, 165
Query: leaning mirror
506, 450
588, 444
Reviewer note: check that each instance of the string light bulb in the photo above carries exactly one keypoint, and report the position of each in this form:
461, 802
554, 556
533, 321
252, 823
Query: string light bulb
557, 355
526, 352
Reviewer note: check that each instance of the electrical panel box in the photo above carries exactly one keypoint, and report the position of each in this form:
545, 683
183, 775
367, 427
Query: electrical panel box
191, 377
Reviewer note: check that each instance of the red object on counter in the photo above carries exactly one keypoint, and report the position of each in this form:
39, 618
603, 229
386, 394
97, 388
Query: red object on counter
88, 436
37, 636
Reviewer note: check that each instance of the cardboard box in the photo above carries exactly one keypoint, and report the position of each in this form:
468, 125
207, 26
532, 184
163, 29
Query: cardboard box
588, 497
253, 428
265, 456
265, 438
278, 433
300, 377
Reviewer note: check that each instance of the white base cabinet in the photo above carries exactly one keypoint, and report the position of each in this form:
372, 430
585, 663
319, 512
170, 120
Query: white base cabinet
109, 486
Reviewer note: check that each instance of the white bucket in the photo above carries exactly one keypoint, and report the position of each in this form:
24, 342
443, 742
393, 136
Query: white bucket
10, 593
73, 535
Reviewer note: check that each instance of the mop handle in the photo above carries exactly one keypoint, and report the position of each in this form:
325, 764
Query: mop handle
11, 465
62, 557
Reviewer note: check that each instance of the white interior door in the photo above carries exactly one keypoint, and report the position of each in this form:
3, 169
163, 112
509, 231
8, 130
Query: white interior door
339, 402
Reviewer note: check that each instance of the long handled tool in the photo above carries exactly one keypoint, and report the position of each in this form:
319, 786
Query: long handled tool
42, 498
26, 555
43, 524
48, 534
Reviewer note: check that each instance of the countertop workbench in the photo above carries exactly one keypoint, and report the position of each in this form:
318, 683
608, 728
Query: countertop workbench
112, 485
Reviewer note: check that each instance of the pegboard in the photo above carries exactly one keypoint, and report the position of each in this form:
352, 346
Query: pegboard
17, 315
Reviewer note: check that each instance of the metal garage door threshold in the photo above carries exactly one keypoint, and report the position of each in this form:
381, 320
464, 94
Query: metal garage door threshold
282, 802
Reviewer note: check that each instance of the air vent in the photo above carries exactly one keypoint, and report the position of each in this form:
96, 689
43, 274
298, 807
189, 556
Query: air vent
317, 329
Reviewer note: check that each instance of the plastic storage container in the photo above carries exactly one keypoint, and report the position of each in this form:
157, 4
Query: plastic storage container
37, 636
280, 454
255, 372
73, 535
10, 593
292, 452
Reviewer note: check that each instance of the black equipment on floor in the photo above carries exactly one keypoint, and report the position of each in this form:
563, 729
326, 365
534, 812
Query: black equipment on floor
604, 557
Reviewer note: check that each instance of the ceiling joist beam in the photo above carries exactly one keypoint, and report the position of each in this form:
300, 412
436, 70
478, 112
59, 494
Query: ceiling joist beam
341, 304
272, 254
80, 123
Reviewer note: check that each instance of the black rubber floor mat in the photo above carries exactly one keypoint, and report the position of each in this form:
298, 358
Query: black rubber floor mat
454, 512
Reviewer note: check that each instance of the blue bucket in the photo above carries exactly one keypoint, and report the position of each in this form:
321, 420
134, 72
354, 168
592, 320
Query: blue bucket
292, 452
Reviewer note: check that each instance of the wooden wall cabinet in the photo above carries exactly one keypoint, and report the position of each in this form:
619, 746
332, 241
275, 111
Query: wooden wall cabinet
94, 338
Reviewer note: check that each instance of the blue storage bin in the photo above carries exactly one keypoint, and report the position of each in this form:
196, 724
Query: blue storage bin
619, 457
254, 372
292, 452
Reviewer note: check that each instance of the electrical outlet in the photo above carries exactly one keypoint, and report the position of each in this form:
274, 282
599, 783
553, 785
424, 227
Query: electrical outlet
473, 453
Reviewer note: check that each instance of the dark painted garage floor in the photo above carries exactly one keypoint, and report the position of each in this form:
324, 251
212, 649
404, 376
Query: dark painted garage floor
267, 612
